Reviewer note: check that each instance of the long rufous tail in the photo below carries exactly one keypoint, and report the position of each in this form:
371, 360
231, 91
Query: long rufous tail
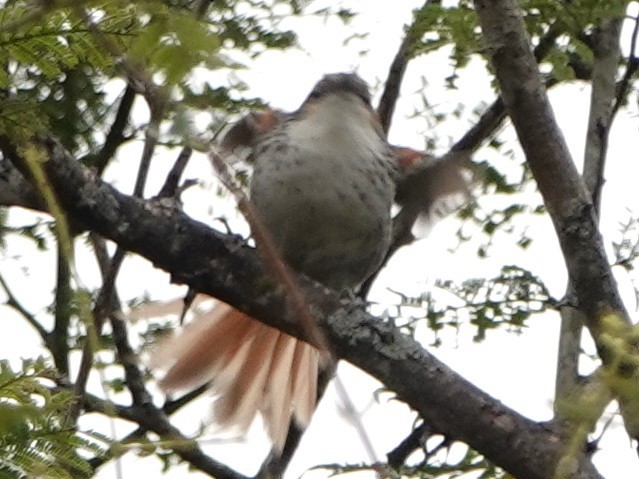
251, 368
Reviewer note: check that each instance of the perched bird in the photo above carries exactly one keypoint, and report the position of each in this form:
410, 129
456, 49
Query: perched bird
323, 188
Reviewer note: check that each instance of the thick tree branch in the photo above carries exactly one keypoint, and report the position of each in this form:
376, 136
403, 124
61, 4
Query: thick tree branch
15, 190
224, 267
566, 197
565, 194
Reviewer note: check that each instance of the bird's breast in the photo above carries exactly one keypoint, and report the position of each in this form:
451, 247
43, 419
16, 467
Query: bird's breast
325, 197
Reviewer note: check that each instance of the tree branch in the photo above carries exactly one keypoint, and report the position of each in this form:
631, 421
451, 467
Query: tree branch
152, 419
116, 137
224, 267
13, 302
565, 195
15, 190
631, 69
605, 45
395, 76
59, 338
564, 192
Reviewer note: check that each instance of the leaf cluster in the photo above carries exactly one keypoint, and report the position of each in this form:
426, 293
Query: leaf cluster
508, 299
57, 67
34, 438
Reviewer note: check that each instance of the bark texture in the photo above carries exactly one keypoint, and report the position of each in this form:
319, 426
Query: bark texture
224, 267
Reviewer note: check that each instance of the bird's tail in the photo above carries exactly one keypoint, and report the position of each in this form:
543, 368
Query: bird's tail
251, 368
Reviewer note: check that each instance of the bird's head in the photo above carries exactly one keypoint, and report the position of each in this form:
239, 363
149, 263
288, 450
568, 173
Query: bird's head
340, 101
340, 84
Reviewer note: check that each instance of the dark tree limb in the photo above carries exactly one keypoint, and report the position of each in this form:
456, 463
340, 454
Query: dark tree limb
59, 338
411, 443
623, 88
393, 84
116, 137
14, 303
224, 267
172, 182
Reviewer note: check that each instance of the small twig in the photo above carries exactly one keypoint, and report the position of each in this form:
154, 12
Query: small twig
94, 325
126, 355
13, 302
623, 86
150, 142
116, 136
172, 181
488, 123
355, 419
414, 441
168, 408
393, 84
58, 339
152, 419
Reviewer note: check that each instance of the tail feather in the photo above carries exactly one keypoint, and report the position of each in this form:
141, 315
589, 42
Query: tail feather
253, 369
303, 393
238, 404
278, 403
190, 355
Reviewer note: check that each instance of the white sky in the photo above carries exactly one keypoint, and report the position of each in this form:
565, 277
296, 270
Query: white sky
516, 369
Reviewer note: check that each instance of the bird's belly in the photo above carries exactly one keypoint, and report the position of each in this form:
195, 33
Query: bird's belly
329, 220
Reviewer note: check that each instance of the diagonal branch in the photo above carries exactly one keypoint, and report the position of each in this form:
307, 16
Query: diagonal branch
152, 419
13, 302
115, 137
396, 72
224, 267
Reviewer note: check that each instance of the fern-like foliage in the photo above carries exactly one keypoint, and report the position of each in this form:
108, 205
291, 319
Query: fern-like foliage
57, 65
34, 439
509, 299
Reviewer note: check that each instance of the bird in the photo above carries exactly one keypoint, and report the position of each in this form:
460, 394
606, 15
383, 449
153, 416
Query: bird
322, 187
